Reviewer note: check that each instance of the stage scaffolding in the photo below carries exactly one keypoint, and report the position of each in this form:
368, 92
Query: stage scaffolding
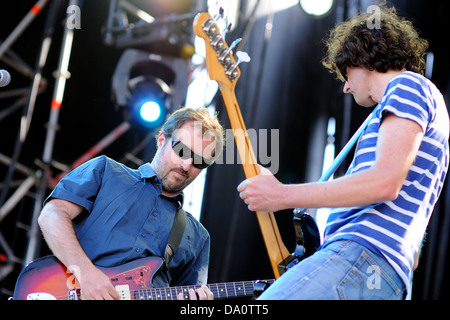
36, 182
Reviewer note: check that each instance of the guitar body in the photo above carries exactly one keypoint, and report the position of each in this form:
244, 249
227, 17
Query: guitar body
48, 279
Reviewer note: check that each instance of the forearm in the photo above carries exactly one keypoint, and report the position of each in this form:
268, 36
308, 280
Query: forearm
365, 188
264, 193
57, 228
56, 224
397, 146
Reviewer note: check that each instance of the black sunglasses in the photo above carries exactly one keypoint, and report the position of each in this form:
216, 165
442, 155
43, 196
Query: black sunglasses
184, 152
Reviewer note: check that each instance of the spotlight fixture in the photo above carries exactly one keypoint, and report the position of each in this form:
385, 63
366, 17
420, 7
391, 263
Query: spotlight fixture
149, 86
149, 101
159, 26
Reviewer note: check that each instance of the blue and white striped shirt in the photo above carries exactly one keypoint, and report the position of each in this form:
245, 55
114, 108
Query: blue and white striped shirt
395, 228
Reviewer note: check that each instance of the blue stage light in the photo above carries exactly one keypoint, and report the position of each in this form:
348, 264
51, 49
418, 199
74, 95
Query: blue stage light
150, 111
141, 77
149, 102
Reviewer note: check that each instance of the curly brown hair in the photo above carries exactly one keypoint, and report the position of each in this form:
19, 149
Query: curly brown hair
392, 45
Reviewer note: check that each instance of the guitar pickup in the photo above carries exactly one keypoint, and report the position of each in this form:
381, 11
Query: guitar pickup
124, 292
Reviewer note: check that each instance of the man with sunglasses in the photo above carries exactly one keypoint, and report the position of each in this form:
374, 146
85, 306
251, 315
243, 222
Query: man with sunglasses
106, 214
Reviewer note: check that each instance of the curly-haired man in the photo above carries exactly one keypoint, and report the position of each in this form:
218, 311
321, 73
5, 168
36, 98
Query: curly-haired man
382, 206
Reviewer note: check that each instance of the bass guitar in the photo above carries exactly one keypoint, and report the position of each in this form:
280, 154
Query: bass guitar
48, 279
223, 68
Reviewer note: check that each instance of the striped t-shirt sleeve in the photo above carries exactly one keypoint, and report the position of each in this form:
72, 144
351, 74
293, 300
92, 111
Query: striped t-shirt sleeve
406, 98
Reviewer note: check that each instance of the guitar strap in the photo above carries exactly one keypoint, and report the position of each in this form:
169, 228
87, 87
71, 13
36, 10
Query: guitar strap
306, 230
176, 234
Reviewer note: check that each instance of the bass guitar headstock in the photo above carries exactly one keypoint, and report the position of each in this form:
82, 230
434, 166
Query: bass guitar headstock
220, 62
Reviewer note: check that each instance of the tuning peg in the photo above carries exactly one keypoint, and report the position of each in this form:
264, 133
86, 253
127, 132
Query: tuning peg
219, 15
241, 57
235, 43
228, 27
217, 41
209, 26
225, 54
225, 32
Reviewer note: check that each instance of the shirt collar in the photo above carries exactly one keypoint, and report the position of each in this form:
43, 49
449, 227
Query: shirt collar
147, 172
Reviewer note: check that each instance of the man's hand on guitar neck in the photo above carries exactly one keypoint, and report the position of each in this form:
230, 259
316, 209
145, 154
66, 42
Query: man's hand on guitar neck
202, 293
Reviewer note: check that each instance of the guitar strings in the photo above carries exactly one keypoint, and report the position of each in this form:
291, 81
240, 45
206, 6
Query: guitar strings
171, 293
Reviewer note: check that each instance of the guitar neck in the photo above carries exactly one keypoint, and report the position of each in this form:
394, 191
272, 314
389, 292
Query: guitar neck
223, 68
220, 291
243, 143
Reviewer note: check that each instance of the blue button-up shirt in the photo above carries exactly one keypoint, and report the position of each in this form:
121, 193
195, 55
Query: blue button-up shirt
127, 217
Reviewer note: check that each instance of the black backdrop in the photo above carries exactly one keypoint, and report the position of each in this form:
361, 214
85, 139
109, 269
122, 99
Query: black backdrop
284, 88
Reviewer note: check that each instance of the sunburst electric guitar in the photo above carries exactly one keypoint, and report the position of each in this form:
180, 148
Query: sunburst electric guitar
48, 279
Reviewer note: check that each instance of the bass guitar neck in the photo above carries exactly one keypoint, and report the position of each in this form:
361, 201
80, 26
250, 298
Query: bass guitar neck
223, 68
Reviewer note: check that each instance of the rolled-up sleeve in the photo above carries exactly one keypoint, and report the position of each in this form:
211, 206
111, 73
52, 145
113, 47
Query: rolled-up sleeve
81, 185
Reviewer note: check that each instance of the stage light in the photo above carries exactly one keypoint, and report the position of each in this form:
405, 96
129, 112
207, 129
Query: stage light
316, 7
150, 111
161, 27
149, 102
149, 87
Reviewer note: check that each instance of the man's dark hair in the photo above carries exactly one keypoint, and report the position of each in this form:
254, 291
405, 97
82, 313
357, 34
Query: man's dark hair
210, 124
392, 44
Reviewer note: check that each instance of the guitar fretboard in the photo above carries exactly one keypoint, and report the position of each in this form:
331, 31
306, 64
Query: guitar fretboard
220, 290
